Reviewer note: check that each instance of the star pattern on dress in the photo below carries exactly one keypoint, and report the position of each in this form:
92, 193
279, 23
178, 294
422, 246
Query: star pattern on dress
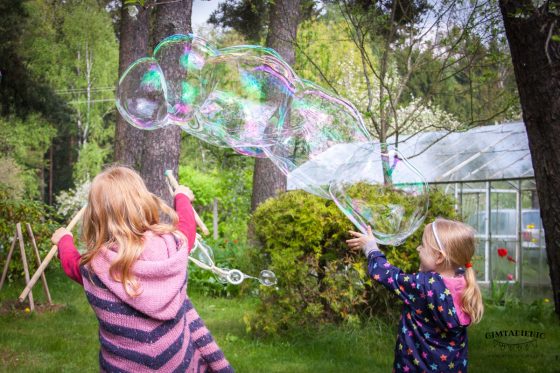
430, 337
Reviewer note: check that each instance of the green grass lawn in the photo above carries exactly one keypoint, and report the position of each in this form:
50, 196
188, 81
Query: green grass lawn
66, 340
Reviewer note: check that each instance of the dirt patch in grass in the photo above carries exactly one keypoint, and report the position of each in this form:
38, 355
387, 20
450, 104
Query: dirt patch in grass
12, 359
14, 306
8, 357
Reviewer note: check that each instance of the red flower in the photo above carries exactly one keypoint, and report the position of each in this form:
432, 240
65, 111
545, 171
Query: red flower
510, 258
510, 277
235, 242
502, 251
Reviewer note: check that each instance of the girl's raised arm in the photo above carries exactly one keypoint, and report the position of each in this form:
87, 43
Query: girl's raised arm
187, 223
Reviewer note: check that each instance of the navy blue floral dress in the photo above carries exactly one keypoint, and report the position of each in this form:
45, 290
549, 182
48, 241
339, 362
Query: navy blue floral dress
430, 336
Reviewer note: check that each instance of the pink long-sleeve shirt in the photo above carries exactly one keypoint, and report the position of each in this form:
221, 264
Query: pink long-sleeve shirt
157, 329
70, 257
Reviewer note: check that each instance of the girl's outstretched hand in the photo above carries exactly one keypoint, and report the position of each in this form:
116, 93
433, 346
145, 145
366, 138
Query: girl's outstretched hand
58, 234
362, 241
186, 191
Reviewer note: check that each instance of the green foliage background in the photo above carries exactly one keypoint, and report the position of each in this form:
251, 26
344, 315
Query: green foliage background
319, 279
41, 217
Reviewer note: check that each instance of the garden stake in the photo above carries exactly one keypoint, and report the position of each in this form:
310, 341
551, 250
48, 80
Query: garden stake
5, 272
25, 267
49, 257
38, 258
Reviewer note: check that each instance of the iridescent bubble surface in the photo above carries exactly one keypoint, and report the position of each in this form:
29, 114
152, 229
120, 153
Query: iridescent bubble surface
142, 95
252, 87
182, 59
249, 99
372, 177
319, 123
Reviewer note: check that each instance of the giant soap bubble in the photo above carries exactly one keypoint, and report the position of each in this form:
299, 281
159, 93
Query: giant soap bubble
362, 185
319, 124
142, 95
182, 59
252, 87
249, 99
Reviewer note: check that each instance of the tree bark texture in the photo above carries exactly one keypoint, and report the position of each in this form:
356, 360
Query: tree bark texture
162, 146
268, 180
536, 59
134, 39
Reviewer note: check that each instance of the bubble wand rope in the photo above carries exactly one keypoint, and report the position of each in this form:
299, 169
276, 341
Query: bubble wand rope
49, 257
233, 276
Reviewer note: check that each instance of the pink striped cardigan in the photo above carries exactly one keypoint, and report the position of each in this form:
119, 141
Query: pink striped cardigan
159, 330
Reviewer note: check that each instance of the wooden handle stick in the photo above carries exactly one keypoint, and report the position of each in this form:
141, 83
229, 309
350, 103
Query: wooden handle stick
175, 185
49, 257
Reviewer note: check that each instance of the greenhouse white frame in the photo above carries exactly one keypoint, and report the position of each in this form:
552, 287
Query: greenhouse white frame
489, 171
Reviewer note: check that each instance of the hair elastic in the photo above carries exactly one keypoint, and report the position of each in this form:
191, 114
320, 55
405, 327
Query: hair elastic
468, 265
438, 242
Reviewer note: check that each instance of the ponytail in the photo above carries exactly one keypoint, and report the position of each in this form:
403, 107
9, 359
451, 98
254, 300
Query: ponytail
471, 301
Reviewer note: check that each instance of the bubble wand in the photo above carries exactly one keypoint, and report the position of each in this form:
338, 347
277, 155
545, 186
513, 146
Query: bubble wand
233, 276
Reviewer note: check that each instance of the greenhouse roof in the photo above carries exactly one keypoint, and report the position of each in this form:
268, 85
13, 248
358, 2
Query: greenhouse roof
495, 152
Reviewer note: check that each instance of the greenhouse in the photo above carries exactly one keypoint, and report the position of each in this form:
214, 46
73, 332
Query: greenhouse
489, 171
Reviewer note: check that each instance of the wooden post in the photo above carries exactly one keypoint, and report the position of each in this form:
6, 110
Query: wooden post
25, 267
7, 265
49, 257
215, 218
38, 257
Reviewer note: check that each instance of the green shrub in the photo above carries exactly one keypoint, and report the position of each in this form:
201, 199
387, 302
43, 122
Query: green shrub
319, 279
39, 216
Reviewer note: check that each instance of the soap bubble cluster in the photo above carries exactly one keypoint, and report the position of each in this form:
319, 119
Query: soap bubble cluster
249, 99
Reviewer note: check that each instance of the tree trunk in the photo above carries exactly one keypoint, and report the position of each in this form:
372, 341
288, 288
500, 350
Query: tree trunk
536, 60
134, 39
268, 180
162, 147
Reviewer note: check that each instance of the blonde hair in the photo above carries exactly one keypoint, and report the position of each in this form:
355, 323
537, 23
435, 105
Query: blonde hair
459, 244
120, 210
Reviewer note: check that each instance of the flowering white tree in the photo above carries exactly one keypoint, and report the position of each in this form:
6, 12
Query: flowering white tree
372, 52
337, 62
72, 200
408, 118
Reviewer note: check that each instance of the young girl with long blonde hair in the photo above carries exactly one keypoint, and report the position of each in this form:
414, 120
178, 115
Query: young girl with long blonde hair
440, 301
134, 274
